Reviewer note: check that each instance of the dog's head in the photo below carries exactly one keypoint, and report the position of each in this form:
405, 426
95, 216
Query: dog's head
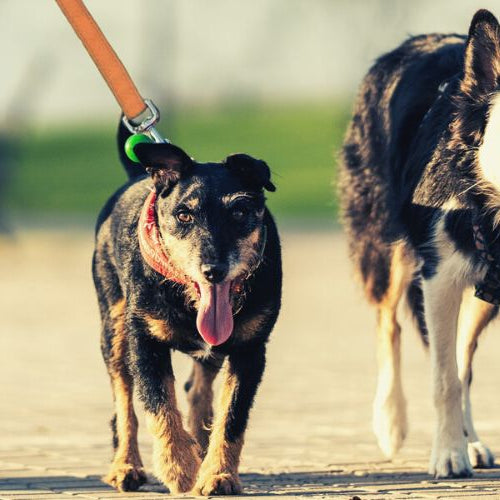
211, 218
477, 124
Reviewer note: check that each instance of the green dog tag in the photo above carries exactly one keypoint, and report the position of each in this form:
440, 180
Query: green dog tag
131, 142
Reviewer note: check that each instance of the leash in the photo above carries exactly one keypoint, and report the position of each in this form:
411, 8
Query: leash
139, 115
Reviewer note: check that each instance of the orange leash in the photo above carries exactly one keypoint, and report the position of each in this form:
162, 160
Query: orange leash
112, 69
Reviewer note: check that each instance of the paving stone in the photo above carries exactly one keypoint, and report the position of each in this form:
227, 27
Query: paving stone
310, 429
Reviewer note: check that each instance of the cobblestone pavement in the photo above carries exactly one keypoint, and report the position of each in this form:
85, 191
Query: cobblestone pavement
310, 432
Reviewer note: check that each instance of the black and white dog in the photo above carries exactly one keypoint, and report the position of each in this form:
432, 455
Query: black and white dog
420, 187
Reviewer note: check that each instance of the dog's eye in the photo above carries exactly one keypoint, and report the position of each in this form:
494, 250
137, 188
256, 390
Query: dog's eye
185, 217
238, 214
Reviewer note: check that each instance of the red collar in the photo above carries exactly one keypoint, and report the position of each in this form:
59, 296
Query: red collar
151, 245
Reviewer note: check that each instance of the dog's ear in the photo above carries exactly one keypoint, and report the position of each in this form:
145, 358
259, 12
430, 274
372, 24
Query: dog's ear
482, 54
254, 173
165, 162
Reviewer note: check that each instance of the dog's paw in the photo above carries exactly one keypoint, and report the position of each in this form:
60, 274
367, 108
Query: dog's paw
126, 477
223, 483
390, 423
177, 471
448, 462
480, 455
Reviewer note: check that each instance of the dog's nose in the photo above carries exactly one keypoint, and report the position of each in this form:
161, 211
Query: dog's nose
214, 273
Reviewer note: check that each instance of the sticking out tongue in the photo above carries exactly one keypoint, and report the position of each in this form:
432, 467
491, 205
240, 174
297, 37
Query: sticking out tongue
215, 315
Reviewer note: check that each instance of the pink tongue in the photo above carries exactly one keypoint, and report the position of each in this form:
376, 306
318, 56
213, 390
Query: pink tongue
215, 315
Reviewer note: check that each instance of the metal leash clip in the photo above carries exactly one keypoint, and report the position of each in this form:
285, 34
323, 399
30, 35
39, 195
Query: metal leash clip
146, 126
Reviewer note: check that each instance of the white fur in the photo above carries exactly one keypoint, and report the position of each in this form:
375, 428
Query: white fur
442, 298
489, 151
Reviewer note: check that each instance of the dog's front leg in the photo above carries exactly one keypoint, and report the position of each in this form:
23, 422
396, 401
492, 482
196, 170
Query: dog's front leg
176, 455
442, 297
219, 471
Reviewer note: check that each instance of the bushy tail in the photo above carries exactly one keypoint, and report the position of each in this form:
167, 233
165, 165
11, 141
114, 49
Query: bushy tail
415, 301
133, 169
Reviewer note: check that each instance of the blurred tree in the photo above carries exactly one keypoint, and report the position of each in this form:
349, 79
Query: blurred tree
21, 105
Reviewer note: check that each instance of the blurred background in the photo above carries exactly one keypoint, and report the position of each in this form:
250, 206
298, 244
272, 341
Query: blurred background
272, 78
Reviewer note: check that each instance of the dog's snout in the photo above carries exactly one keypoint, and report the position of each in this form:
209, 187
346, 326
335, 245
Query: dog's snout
214, 273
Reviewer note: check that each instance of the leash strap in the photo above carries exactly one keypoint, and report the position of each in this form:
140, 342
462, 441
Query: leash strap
105, 58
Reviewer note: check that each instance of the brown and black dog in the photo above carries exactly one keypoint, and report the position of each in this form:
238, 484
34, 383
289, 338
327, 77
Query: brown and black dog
186, 258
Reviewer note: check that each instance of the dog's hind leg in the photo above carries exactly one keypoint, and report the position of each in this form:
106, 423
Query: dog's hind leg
474, 316
389, 408
200, 396
126, 473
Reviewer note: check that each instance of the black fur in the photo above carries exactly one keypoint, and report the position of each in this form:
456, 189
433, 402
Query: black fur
218, 225
415, 301
409, 149
114, 435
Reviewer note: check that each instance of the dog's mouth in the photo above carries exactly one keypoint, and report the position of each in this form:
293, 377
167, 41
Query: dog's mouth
215, 311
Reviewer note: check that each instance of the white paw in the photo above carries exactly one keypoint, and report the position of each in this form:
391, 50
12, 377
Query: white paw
479, 455
450, 462
390, 424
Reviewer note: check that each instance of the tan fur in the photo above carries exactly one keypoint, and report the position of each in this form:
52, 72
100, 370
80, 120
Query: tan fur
157, 327
254, 237
248, 255
176, 455
228, 198
181, 254
200, 397
389, 416
192, 203
403, 266
475, 314
126, 470
219, 471
249, 246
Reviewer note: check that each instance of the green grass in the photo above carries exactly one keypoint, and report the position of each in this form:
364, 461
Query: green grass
74, 170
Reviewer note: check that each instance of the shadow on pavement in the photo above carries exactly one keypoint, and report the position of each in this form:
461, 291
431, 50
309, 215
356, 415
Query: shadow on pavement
308, 483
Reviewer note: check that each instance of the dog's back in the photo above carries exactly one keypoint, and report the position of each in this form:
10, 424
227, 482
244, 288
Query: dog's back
375, 184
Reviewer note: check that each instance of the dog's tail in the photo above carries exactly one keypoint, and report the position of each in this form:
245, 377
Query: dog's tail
133, 169
415, 301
